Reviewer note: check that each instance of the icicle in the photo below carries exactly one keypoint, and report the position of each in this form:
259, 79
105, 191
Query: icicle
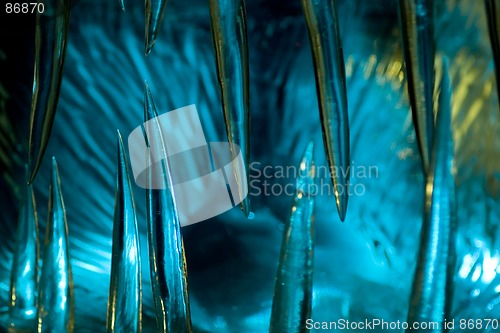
55, 294
166, 248
125, 291
293, 289
322, 23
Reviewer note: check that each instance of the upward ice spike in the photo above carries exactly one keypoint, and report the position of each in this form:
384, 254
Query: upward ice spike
416, 19
125, 291
50, 49
229, 33
432, 284
55, 294
155, 9
322, 23
493, 15
166, 247
24, 274
293, 289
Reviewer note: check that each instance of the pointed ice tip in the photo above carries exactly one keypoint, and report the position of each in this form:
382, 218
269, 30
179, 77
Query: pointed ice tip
308, 158
154, 17
149, 43
55, 171
307, 162
149, 104
148, 48
307, 171
55, 182
122, 5
342, 207
122, 161
32, 172
119, 141
245, 207
341, 199
33, 166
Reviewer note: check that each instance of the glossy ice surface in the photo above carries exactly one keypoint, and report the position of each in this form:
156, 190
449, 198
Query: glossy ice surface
125, 291
324, 34
229, 34
293, 289
51, 39
166, 247
24, 273
432, 293
417, 26
55, 311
